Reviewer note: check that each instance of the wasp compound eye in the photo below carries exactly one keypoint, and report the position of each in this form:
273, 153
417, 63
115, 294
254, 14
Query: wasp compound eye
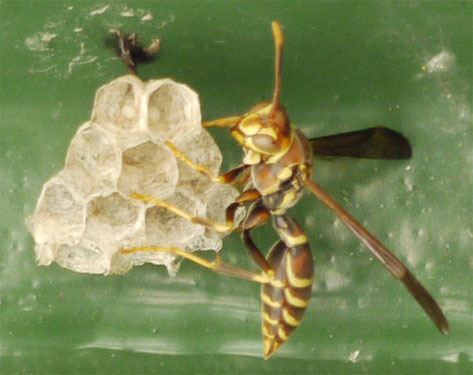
265, 143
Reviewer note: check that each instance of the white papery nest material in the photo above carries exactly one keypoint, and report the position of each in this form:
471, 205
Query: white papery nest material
85, 215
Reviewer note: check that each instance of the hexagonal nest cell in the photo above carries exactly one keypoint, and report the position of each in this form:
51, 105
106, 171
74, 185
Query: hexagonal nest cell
85, 214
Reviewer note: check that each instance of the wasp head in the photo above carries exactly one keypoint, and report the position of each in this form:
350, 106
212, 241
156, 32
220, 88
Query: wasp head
264, 132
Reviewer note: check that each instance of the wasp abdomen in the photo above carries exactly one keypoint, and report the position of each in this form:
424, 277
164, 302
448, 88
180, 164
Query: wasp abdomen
287, 297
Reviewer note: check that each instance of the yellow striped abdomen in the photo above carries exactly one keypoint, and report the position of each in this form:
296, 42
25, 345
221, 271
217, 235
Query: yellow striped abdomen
287, 297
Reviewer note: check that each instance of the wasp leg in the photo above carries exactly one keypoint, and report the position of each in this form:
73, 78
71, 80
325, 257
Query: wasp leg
222, 122
255, 253
257, 216
247, 196
226, 178
217, 266
222, 228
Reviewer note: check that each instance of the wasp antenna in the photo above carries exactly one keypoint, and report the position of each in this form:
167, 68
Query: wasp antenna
278, 46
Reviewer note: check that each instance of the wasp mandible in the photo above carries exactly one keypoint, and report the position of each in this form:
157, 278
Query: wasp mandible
276, 169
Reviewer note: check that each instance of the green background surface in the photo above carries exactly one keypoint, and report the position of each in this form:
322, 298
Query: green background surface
348, 65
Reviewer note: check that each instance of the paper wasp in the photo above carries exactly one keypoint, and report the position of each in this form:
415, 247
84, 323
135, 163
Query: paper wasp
276, 168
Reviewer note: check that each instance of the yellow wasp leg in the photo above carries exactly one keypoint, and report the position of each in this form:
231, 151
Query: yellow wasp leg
226, 178
229, 177
222, 228
222, 122
217, 266
199, 168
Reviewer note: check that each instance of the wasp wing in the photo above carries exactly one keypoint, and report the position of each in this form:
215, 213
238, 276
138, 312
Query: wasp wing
373, 143
398, 269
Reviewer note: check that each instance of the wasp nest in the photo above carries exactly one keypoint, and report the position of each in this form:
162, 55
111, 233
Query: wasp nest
85, 215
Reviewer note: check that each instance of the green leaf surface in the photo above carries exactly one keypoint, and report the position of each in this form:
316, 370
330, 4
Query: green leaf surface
348, 65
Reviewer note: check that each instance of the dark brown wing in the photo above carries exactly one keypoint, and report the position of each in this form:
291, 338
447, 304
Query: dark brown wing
373, 143
386, 257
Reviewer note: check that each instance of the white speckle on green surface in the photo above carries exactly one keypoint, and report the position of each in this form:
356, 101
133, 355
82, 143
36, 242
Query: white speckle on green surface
442, 62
